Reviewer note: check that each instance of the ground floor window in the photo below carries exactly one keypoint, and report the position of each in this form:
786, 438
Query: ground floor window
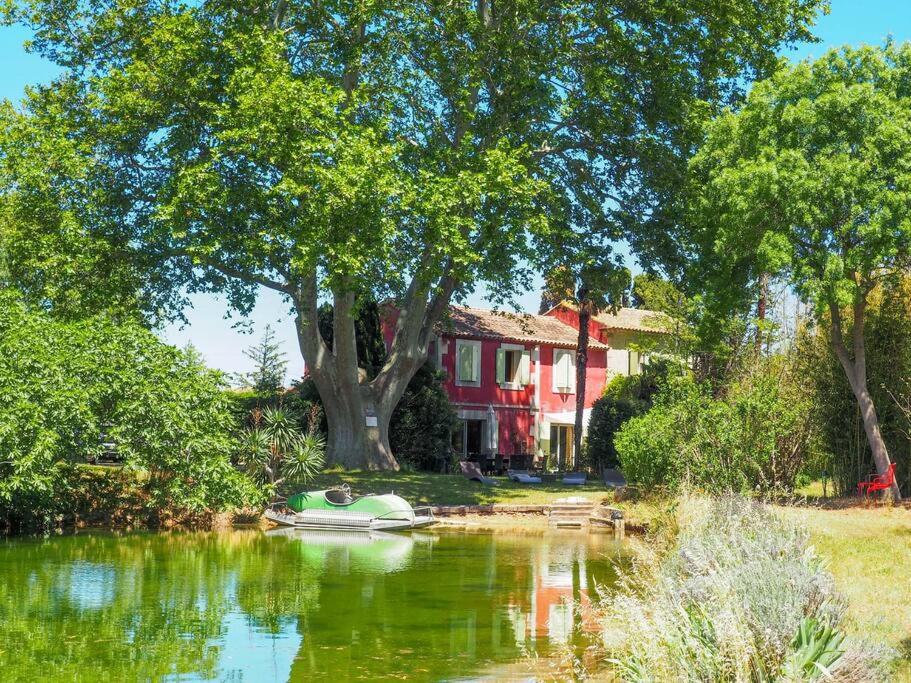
561, 446
468, 438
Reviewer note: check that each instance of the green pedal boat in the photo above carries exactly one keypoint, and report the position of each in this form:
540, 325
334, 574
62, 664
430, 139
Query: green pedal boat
337, 509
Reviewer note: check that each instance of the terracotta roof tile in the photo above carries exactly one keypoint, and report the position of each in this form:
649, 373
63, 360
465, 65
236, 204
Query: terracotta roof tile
633, 319
518, 327
636, 319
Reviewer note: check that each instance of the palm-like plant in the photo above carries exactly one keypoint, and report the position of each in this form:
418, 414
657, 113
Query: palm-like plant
305, 459
283, 427
255, 453
275, 449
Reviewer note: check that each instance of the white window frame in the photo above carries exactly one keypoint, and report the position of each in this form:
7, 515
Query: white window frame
559, 353
476, 346
524, 358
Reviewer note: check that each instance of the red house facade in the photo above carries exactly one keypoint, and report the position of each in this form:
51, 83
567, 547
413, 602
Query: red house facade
512, 381
511, 378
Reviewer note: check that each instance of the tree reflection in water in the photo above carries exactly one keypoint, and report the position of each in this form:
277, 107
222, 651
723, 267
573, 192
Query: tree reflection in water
248, 605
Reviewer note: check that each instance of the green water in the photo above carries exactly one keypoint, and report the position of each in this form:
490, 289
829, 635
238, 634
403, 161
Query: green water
252, 606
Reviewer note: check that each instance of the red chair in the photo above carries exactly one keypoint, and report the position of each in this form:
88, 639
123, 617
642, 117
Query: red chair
877, 482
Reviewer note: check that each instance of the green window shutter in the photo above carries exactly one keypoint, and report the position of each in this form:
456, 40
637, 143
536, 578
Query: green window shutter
564, 376
525, 369
465, 361
501, 366
476, 363
633, 362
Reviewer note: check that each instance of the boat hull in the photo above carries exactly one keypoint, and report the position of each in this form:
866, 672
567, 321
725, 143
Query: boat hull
337, 520
332, 509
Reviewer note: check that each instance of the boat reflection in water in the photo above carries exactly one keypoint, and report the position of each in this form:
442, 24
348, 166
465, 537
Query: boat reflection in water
354, 551
292, 605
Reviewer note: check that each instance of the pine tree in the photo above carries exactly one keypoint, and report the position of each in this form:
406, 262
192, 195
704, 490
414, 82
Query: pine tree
268, 375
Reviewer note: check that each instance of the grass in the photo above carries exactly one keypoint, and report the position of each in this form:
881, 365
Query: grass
868, 550
421, 488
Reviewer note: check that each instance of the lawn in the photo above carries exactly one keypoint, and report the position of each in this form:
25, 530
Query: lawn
868, 550
420, 488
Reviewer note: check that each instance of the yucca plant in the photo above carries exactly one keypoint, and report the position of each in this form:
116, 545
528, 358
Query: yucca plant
305, 459
816, 647
275, 450
283, 427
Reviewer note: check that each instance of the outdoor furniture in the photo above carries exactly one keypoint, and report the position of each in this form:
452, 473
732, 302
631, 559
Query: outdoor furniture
877, 482
574, 478
523, 477
471, 471
521, 462
614, 478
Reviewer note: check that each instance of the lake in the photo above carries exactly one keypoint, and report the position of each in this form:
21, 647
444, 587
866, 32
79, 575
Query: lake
293, 606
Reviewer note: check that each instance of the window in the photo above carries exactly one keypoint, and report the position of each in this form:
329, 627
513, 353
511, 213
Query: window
634, 364
513, 366
561, 446
564, 371
468, 362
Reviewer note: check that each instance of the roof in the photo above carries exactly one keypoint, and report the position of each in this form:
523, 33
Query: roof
632, 319
517, 327
635, 319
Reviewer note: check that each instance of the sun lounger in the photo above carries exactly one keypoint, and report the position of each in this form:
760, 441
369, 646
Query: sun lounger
574, 478
614, 478
523, 477
471, 471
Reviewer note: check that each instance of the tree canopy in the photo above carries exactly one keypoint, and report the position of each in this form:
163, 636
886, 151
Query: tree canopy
398, 149
811, 179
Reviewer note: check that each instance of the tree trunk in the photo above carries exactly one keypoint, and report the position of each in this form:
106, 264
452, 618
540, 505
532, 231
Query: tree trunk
359, 433
581, 368
358, 411
856, 372
761, 306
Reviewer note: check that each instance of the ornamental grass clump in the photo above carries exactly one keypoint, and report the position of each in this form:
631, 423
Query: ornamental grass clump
736, 595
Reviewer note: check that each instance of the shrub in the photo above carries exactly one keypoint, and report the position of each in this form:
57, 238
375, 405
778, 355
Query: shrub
754, 437
608, 415
624, 397
739, 595
420, 431
68, 386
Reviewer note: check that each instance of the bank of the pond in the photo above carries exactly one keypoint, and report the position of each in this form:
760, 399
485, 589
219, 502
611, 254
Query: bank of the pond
115, 498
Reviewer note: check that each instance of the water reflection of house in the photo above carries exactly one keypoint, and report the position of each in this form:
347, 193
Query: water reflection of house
559, 601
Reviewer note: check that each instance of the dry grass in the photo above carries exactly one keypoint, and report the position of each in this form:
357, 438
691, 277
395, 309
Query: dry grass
868, 550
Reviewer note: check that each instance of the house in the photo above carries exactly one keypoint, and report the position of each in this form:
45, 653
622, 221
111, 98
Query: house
629, 333
512, 377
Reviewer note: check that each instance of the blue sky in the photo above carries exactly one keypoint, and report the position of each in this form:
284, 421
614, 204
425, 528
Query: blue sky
850, 22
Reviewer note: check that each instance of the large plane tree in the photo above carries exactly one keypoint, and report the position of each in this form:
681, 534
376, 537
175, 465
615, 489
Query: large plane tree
330, 150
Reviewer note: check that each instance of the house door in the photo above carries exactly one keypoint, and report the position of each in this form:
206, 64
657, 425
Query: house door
561, 446
474, 436
468, 438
